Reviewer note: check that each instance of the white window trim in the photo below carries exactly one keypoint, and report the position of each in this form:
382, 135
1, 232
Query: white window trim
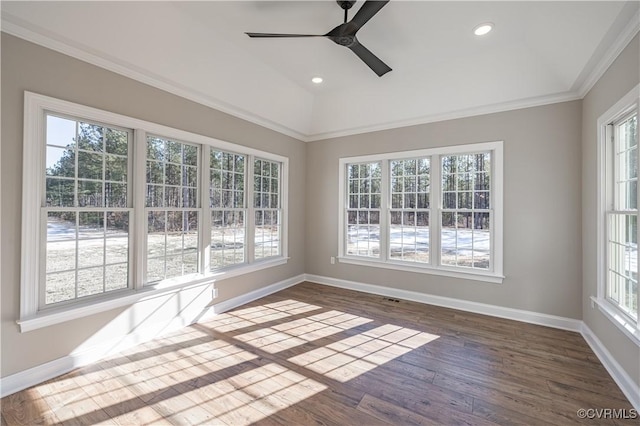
494, 276
625, 324
35, 108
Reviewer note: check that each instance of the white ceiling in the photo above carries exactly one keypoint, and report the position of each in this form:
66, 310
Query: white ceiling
539, 52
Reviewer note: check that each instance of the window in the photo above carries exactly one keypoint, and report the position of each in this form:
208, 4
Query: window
466, 193
363, 211
86, 210
172, 209
435, 211
409, 225
618, 225
115, 207
266, 204
228, 212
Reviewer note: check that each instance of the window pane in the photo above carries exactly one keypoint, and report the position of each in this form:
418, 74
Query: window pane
227, 238
172, 174
226, 180
61, 161
116, 141
267, 234
622, 284
172, 244
60, 192
90, 281
89, 193
90, 137
61, 132
60, 286
116, 277
115, 194
61, 241
466, 239
90, 165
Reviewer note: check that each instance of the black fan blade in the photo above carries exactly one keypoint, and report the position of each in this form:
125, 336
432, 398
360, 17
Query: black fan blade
366, 12
269, 35
370, 59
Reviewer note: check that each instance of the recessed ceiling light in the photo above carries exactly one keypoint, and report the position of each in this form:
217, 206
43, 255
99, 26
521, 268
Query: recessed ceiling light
483, 29
317, 80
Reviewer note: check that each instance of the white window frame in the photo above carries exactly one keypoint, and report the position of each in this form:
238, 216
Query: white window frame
493, 275
32, 316
605, 171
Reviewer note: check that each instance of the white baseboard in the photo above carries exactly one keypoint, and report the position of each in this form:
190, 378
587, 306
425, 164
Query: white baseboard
447, 302
33, 376
630, 389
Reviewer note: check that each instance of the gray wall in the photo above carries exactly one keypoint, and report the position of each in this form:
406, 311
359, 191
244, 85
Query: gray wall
26, 66
622, 76
542, 244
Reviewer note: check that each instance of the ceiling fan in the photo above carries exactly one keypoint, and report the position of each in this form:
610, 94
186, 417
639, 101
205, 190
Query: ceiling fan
345, 33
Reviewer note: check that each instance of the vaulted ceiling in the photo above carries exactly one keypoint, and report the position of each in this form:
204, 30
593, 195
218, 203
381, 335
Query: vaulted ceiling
538, 52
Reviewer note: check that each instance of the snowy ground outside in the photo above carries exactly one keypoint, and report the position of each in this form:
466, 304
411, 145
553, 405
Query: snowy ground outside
102, 257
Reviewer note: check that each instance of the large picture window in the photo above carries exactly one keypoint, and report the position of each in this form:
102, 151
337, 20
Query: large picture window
435, 211
115, 205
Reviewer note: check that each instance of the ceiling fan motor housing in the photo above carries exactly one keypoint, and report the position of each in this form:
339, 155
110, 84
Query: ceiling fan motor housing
346, 4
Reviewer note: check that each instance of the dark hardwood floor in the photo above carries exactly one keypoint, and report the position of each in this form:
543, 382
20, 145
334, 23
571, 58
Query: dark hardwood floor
313, 354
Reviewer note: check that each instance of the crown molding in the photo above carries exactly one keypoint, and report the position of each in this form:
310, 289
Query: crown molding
21, 29
624, 38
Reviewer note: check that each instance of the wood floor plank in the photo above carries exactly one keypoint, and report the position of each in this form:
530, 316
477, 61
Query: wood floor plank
391, 413
314, 354
26, 407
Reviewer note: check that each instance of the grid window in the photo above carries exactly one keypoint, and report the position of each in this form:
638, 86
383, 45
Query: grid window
104, 216
227, 202
267, 210
86, 209
436, 210
622, 244
409, 214
466, 216
364, 189
172, 208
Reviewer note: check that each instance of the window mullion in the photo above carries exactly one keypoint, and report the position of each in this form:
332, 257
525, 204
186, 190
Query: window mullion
385, 204
139, 252
435, 209
250, 216
204, 248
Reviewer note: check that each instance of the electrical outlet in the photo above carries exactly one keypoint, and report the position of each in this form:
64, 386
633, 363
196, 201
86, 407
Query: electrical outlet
333, 260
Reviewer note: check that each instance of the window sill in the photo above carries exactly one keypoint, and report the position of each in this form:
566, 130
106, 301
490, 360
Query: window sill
476, 276
626, 325
55, 316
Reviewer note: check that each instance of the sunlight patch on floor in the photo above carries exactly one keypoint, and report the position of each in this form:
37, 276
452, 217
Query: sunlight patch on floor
242, 318
255, 394
356, 355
